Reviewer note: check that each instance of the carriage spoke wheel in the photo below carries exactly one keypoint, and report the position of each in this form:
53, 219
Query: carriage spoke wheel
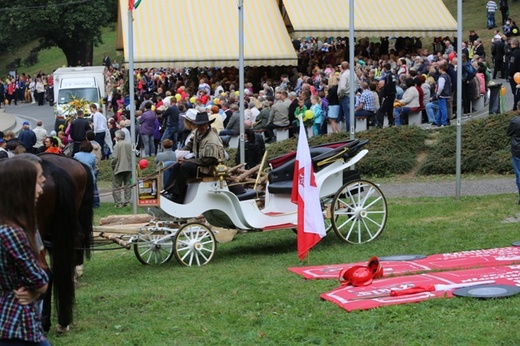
326, 208
359, 212
194, 244
153, 248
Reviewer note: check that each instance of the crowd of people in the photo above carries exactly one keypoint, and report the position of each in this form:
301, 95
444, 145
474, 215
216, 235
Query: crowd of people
393, 78
38, 89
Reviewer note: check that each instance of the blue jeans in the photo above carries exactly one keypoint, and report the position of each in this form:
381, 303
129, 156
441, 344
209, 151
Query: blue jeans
344, 111
148, 144
228, 133
491, 20
516, 167
173, 134
97, 201
432, 108
442, 115
399, 114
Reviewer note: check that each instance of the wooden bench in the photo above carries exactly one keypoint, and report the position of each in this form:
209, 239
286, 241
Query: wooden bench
479, 103
282, 133
385, 121
310, 131
415, 117
233, 141
361, 123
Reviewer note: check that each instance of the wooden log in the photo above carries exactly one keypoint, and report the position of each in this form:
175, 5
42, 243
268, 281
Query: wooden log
116, 239
235, 168
260, 170
247, 173
120, 228
125, 219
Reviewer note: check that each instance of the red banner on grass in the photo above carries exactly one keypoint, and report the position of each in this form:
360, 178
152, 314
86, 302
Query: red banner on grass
446, 261
377, 294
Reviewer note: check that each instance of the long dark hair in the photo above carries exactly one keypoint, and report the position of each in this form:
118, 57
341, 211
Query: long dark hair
17, 207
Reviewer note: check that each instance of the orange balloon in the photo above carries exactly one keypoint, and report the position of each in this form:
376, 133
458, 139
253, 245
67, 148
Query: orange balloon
503, 90
517, 78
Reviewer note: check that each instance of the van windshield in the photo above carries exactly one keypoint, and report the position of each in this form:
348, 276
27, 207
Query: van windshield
67, 95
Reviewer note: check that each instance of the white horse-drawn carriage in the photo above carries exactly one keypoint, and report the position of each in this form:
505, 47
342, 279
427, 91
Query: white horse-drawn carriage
355, 209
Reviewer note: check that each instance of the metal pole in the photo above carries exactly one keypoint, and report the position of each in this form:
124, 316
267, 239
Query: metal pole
351, 63
241, 87
459, 99
132, 101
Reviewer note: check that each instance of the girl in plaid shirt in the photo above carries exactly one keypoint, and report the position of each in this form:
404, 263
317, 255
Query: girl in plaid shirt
22, 279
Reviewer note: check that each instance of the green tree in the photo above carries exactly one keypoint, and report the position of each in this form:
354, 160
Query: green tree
72, 25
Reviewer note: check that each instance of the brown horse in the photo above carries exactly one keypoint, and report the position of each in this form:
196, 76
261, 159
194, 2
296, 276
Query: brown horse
65, 215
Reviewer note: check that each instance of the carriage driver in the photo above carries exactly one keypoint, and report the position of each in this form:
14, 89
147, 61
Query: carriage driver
204, 151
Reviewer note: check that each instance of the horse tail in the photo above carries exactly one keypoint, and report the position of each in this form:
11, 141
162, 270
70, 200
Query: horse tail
86, 215
64, 226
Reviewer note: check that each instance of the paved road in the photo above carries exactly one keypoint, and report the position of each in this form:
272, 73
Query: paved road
32, 113
468, 187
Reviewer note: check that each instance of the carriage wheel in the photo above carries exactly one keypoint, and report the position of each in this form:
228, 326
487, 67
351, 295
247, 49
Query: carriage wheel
152, 248
326, 207
194, 244
359, 212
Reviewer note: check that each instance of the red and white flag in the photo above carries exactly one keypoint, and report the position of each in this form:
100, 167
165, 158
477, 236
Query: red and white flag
305, 193
133, 4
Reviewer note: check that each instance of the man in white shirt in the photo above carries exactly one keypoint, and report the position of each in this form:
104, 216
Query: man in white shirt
41, 134
99, 124
344, 94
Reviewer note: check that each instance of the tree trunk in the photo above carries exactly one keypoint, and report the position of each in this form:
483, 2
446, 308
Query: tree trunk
78, 53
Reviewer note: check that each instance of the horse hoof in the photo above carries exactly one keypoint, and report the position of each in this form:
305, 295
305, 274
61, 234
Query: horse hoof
61, 329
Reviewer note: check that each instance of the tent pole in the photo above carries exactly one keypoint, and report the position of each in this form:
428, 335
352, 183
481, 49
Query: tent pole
132, 101
241, 87
459, 99
352, 66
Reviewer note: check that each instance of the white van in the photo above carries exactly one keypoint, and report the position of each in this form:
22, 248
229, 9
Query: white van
84, 84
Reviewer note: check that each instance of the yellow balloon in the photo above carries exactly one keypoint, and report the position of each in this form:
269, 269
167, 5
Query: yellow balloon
503, 90
516, 77
237, 93
308, 115
153, 108
193, 99
178, 97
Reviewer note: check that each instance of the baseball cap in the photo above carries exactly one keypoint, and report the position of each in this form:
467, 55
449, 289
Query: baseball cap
26, 123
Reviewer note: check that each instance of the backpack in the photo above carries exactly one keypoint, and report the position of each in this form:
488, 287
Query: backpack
469, 72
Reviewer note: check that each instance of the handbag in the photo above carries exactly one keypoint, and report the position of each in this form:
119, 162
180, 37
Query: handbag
69, 149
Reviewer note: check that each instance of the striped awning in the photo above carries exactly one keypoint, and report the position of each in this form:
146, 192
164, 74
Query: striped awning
205, 33
373, 18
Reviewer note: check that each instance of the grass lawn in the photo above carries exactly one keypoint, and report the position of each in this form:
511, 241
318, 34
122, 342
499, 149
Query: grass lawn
246, 295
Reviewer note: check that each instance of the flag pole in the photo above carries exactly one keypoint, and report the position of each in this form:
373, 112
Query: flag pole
351, 45
131, 91
241, 73
458, 151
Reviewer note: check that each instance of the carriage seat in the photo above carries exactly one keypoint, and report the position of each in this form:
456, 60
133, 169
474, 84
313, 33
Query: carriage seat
346, 151
286, 170
281, 187
280, 179
244, 194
